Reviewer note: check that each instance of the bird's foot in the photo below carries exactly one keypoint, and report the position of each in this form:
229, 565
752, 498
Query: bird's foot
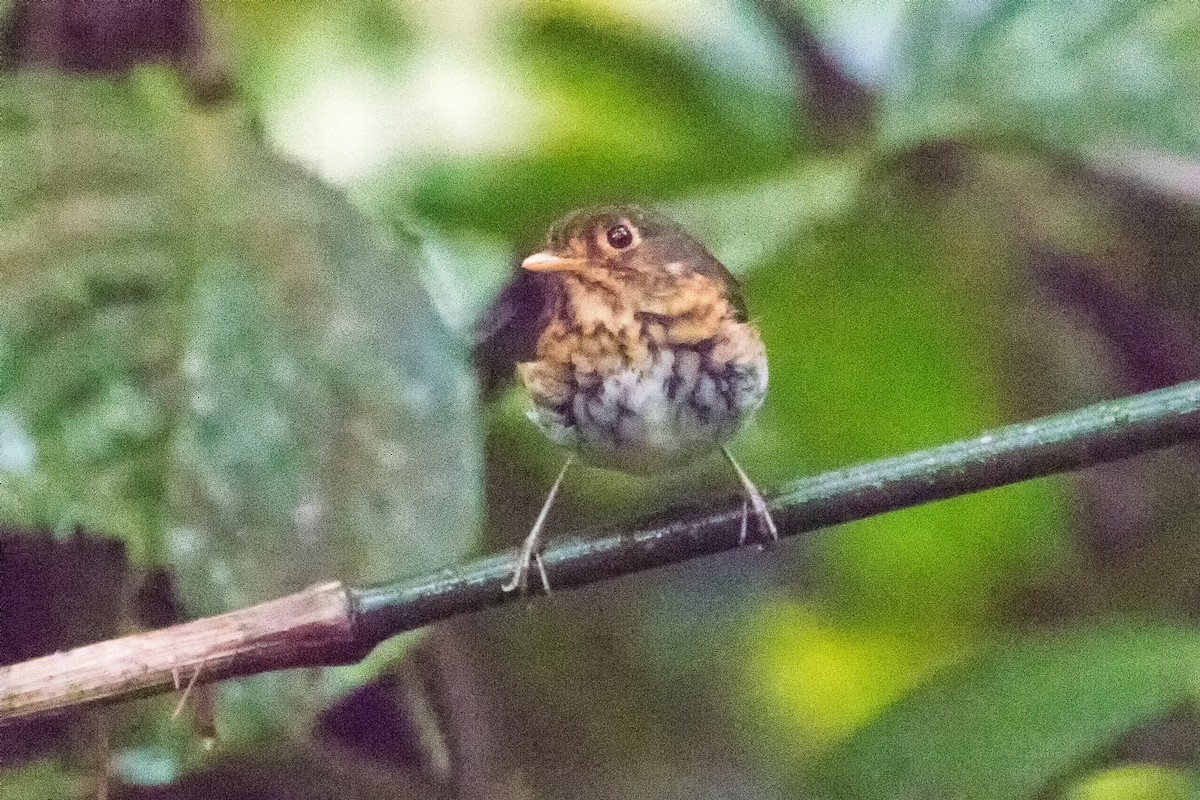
531, 548
768, 531
529, 557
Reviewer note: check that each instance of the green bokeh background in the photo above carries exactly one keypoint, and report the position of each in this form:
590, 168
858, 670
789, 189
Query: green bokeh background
236, 338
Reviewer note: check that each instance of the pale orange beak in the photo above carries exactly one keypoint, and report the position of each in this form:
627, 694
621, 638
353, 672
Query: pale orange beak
548, 262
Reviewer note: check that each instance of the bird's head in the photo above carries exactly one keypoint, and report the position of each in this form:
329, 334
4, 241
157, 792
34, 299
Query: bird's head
632, 252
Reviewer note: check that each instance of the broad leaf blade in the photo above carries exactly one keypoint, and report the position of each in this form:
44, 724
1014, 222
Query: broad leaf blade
1077, 74
214, 357
327, 398
1021, 715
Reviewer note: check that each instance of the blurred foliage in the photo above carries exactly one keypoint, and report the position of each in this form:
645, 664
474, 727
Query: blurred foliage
213, 357
41, 779
948, 215
1138, 782
1071, 74
983, 731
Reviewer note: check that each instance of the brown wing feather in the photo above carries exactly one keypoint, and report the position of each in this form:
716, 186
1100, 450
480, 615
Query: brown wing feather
509, 330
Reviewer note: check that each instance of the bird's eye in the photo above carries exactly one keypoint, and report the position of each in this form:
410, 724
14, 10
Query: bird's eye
619, 236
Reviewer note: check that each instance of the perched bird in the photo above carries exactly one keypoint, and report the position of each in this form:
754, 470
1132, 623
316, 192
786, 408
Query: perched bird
643, 359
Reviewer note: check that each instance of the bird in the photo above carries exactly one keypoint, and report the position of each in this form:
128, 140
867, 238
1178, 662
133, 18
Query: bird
643, 360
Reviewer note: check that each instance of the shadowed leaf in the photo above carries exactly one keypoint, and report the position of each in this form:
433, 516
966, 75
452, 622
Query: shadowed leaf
213, 356
1020, 715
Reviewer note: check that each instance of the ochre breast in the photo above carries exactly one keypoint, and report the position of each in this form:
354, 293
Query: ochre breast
642, 390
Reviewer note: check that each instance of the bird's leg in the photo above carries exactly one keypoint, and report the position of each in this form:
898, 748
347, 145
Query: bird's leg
756, 499
745, 532
531, 546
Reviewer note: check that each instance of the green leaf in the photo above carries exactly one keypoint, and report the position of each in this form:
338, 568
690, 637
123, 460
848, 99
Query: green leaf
1020, 715
877, 346
45, 780
815, 193
618, 111
281, 49
1077, 74
212, 355
343, 414
1137, 782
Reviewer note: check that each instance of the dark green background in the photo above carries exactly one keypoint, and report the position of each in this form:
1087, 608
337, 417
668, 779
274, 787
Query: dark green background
948, 216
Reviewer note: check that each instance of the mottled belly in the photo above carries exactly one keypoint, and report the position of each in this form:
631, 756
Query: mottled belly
676, 405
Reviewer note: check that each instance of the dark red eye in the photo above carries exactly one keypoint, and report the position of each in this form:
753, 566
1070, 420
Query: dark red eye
619, 236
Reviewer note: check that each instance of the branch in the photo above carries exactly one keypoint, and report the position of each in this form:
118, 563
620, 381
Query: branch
331, 624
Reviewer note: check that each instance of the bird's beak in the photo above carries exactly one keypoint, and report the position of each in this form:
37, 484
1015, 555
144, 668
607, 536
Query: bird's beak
548, 262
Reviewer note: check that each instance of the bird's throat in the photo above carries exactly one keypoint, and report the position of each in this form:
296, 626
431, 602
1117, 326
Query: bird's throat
683, 313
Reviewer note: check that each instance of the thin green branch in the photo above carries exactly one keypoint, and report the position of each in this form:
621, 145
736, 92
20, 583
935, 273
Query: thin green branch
331, 624
1106, 431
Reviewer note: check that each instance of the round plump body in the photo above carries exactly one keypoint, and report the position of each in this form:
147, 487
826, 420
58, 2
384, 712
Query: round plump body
647, 361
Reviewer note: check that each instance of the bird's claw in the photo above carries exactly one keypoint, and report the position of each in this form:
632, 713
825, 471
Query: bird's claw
531, 548
519, 582
768, 531
766, 523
